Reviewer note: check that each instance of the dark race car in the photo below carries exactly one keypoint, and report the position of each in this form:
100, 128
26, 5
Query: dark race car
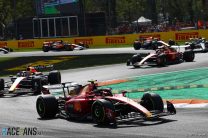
146, 43
29, 81
162, 56
197, 45
5, 49
100, 105
62, 46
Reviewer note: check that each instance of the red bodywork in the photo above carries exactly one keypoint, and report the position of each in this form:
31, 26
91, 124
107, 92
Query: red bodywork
171, 54
99, 104
57, 45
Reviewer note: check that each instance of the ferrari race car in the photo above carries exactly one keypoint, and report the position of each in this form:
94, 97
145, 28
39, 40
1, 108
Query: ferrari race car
29, 81
60, 45
100, 105
146, 43
162, 56
6, 49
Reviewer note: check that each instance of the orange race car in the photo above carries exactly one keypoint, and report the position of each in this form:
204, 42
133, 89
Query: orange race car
62, 46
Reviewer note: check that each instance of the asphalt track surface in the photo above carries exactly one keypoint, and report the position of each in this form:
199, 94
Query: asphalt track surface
75, 52
189, 122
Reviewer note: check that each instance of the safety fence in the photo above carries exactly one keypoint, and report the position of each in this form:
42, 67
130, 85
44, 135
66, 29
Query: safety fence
109, 40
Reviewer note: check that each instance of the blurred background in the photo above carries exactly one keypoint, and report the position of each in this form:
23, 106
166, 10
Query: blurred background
27, 19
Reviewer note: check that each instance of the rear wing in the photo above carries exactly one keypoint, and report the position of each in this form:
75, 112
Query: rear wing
43, 67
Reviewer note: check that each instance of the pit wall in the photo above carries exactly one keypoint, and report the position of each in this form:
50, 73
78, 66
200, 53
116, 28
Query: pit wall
110, 40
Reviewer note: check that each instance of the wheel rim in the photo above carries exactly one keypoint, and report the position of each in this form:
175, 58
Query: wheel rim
98, 112
40, 107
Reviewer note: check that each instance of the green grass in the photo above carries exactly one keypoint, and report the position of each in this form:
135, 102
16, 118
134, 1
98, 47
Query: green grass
27, 49
5, 59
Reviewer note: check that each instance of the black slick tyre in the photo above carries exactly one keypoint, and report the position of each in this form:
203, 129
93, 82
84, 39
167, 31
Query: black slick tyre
1, 84
54, 77
99, 112
137, 45
188, 56
47, 106
37, 85
45, 49
161, 60
152, 101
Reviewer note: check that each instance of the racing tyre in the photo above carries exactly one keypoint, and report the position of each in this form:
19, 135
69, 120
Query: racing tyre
54, 77
47, 106
99, 108
1, 84
136, 58
152, 101
6, 52
137, 45
161, 60
37, 85
188, 56
45, 49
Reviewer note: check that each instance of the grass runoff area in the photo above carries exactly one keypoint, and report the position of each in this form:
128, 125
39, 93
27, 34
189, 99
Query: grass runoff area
10, 66
186, 84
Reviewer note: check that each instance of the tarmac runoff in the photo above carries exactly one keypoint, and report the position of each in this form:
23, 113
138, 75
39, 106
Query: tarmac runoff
185, 89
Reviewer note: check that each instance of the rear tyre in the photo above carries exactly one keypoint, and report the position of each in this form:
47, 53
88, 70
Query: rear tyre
47, 106
45, 49
137, 45
1, 84
188, 56
152, 101
54, 77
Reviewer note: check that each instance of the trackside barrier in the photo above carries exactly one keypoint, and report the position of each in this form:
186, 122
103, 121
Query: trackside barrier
115, 40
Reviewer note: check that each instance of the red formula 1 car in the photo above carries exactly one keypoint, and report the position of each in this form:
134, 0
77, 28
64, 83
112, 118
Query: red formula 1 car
60, 45
162, 56
100, 105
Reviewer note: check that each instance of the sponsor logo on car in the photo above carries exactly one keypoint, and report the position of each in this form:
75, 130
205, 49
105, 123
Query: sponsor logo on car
186, 36
2, 44
27, 44
87, 41
115, 40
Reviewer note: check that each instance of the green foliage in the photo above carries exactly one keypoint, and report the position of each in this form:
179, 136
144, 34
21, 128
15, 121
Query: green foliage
117, 10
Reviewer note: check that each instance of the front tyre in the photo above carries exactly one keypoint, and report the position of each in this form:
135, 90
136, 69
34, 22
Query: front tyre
47, 106
98, 112
152, 101
188, 56
103, 112
161, 60
37, 85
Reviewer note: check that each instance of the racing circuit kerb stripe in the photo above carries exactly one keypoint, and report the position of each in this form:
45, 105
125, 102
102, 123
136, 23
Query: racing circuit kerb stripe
164, 88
